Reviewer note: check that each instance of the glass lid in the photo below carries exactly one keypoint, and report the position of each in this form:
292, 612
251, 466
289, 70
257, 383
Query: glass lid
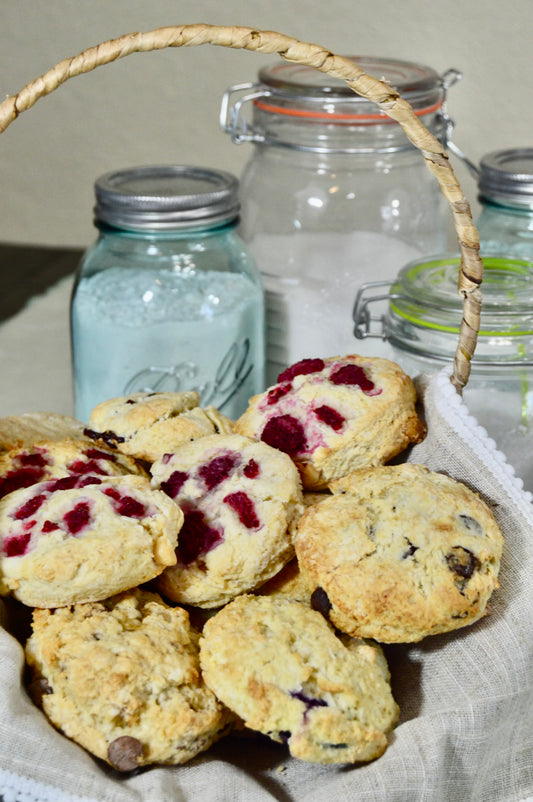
425, 307
296, 84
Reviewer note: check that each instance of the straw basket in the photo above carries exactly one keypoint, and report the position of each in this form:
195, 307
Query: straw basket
468, 701
293, 50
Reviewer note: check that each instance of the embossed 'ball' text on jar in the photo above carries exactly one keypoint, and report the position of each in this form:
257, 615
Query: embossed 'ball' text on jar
419, 314
333, 194
168, 298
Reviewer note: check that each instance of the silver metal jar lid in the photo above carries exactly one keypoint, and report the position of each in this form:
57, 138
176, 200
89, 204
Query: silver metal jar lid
165, 197
506, 176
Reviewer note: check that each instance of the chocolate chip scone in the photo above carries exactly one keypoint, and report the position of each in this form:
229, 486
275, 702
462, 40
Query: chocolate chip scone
335, 415
84, 538
241, 500
148, 425
399, 553
280, 667
122, 679
24, 466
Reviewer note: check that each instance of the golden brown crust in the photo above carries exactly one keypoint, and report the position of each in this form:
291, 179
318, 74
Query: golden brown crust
279, 666
122, 679
399, 553
239, 523
61, 546
344, 425
148, 425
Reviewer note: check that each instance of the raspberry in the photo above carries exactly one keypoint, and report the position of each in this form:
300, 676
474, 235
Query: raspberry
301, 368
196, 537
22, 477
17, 546
174, 483
77, 518
95, 453
31, 506
80, 467
35, 460
330, 417
127, 506
244, 507
251, 469
284, 433
217, 470
278, 392
354, 375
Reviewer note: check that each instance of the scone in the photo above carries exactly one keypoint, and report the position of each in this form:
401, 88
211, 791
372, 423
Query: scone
24, 466
280, 667
241, 500
335, 415
84, 538
19, 431
399, 553
148, 425
122, 679
289, 583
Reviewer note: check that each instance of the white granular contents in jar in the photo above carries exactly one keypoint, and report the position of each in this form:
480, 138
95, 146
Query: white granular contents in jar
311, 280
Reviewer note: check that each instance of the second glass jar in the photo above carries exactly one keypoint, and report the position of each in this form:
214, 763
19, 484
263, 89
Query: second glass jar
168, 298
333, 195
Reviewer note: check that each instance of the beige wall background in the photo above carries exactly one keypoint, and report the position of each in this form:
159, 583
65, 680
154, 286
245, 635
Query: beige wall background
163, 107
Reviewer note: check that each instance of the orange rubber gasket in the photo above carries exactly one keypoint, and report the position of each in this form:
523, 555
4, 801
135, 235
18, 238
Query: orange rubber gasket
323, 116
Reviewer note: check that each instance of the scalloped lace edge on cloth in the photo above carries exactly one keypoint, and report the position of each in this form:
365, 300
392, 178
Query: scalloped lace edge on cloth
15, 788
452, 408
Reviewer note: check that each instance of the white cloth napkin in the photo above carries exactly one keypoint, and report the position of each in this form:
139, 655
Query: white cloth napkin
466, 699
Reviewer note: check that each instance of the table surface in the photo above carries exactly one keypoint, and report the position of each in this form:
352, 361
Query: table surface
28, 270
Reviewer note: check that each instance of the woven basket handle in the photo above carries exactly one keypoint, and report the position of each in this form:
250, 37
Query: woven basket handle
290, 49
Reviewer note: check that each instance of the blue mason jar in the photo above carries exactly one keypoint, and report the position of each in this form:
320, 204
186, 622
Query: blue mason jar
168, 298
505, 182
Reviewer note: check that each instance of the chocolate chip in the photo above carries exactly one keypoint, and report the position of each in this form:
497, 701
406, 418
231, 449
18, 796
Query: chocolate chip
471, 524
38, 688
110, 438
284, 735
123, 753
462, 562
320, 602
410, 550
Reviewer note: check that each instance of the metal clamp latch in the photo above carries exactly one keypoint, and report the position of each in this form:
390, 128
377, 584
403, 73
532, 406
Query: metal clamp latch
366, 324
231, 119
448, 79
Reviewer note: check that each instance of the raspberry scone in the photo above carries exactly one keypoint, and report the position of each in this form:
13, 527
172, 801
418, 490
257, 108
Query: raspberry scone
122, 679
23, 467
241, 500
84, 538
280, 667
335, 415
148, 425
399, 553
18, 431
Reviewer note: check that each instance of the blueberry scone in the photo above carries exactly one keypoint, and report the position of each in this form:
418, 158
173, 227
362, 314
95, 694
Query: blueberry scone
279, 666
24, 466
148, 425
122, 679
335, 415
398, 553
241, 500
84, 538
